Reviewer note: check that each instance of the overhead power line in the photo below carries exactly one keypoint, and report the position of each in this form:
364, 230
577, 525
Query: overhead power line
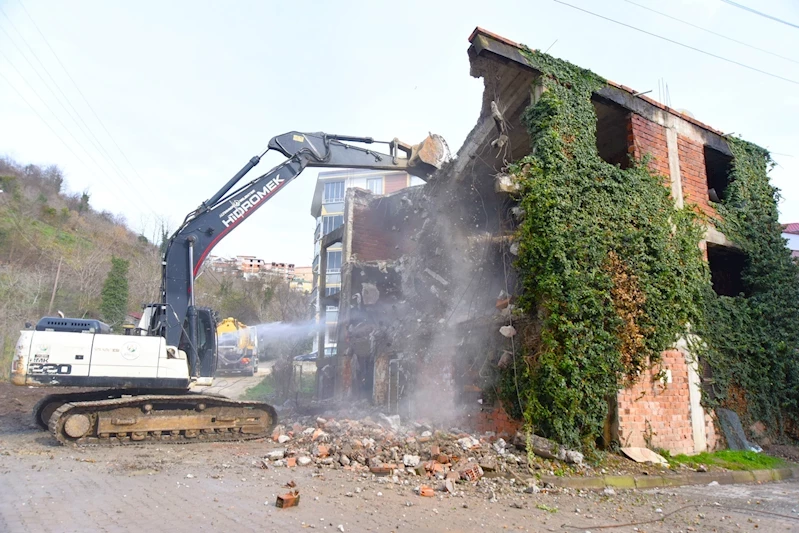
764, 15
50, 127
85, 129
681, 44
712, 32
86, 101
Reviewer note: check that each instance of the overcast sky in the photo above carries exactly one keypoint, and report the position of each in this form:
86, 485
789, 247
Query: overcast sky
190, 90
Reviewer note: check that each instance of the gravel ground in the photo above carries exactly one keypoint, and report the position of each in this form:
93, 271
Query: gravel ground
208, 487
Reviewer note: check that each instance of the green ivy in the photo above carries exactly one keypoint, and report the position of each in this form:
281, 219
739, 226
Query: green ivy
608, 265
751, 341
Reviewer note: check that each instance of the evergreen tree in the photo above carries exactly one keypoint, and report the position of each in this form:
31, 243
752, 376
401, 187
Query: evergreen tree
114, 296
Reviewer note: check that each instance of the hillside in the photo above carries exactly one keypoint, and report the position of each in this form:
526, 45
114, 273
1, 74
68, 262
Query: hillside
42, 225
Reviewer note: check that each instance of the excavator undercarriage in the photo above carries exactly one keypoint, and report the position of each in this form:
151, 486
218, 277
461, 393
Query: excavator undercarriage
94, 418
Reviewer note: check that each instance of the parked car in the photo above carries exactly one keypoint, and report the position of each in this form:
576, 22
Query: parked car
329, 352
306, 357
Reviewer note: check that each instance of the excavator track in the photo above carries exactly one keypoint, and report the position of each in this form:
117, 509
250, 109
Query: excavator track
165, 418
45, 407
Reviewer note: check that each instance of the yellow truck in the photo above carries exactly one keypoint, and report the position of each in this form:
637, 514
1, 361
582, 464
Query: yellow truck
238, 347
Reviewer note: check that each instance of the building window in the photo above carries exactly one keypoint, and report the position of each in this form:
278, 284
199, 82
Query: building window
334, 261
331, 335
329, 291
331, 314
375, 185
726, 269
331, 222
334, 192
612, 123
717, 167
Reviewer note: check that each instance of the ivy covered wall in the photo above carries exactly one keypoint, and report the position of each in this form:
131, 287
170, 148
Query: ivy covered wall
751, 340
614, 274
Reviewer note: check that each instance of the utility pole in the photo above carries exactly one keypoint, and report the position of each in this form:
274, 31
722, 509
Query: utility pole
55, 286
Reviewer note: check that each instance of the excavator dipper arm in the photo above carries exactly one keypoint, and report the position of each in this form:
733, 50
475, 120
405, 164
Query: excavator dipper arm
176, 320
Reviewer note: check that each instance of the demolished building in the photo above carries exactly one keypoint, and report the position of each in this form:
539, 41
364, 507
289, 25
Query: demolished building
426, 307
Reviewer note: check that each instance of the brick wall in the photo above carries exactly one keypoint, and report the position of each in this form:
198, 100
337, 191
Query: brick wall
370, 240
693, 174
650, 407
647, 137
491, 419
395, 182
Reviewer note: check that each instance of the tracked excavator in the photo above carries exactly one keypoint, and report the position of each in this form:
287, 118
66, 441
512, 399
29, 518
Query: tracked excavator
149, 378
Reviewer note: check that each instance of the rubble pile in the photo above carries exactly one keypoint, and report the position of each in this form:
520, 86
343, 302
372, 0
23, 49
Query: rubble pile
416, 454
386, 448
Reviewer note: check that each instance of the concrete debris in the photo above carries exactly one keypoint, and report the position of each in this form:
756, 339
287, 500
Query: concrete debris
499, 446
514, 248
393, 421
282, 439
518, 212
370, 294
468, 443
382, 449
506, 183
507, 331
644, 455
276, 454
550, 450
505, 360
436, 277
411, 460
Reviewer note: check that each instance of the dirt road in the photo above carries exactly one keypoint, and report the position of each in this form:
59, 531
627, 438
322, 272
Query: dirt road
45, 487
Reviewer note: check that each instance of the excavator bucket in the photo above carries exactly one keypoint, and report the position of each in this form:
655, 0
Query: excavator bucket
428, 156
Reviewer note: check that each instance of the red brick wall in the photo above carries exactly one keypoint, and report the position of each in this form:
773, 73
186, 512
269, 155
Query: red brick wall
395, 182
694, 176
664, 410
647, 137
491, 419
371, 241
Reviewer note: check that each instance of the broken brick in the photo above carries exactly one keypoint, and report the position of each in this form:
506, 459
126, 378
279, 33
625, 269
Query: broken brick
290, 499
383, 470
471, 472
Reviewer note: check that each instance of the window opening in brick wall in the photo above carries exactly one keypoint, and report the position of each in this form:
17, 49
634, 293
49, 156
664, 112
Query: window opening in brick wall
612, 130
717, 167
726, 265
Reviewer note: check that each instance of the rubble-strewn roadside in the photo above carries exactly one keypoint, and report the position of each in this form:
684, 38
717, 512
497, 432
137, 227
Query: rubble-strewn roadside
223, 487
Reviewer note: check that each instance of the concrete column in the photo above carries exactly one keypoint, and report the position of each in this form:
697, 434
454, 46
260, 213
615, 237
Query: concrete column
674, 166
322, 333
694, 399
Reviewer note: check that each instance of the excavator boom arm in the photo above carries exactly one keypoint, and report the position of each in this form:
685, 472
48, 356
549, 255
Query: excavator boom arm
220, 214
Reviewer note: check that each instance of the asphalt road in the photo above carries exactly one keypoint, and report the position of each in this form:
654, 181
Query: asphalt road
234, 386
46, 487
